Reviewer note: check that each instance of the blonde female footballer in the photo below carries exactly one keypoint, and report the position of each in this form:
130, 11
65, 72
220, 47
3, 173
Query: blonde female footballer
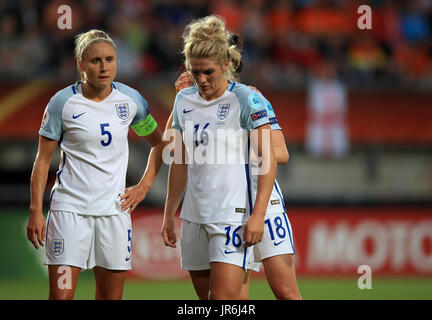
89, 224
220, 220
276, 251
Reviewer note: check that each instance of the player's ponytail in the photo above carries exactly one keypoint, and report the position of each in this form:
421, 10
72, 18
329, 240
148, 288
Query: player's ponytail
235, 47
82, 42
208, 38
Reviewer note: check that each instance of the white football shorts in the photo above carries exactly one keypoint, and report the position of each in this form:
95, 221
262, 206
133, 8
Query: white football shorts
277, 239
87, 241
202, 244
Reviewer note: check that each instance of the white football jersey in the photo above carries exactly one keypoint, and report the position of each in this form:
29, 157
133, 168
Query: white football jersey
93, 138
276, 202
215, 134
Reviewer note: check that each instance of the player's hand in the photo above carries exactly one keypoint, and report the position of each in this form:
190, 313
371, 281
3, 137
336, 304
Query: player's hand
253, 230
132, 197
36, 229
168, 232
183, 81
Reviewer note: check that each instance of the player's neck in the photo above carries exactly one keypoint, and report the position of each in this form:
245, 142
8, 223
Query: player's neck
97, 94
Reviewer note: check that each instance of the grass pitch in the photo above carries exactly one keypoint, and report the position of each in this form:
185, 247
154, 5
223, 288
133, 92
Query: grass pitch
311, 288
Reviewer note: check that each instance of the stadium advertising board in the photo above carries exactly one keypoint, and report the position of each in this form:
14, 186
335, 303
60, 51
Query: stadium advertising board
328, 242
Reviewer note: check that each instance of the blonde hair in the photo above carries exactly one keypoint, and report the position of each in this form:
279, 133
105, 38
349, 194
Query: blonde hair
84, 40
208, 38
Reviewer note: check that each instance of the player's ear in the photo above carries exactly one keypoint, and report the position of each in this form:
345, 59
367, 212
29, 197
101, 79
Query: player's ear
225, 66
80, 66
81, 70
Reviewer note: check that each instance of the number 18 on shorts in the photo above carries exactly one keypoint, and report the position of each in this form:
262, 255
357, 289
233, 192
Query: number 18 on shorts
277, 237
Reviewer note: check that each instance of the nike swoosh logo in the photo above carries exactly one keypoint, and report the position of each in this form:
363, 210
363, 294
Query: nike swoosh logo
278, 243
129, 249
76, 116
187, 111
228, 252
127, 259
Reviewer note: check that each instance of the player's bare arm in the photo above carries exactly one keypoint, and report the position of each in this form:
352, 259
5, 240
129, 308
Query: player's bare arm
135, 194
177, 180
254, 228
279, 147
36, 227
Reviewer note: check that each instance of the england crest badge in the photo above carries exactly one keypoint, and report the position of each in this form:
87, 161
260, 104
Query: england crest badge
57, 247
223, 110
122, 110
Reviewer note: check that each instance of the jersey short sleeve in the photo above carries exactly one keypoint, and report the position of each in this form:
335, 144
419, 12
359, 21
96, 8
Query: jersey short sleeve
143, 123
253, 110
52, 124
143, 109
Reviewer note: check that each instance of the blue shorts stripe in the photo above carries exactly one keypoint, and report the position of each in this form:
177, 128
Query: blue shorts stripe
289, 232
249, 183
244, 258
48, 221
285, 215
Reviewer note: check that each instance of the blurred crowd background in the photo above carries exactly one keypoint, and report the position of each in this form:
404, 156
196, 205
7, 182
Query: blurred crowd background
354, 105
284, 40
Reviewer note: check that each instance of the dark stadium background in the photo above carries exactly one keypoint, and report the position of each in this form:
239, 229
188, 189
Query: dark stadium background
370, 205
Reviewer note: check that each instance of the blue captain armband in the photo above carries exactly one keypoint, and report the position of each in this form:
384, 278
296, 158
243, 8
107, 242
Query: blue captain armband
145, 127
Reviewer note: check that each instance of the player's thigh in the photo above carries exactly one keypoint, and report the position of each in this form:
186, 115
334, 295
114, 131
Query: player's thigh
281, 276
201, 282
62, 281
279, 267
226, 281
244, 292
109, 283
